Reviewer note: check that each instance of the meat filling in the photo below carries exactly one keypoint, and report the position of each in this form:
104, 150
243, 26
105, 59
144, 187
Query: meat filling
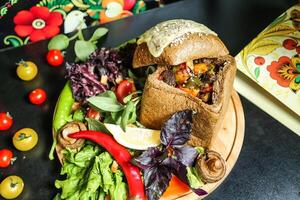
195, 78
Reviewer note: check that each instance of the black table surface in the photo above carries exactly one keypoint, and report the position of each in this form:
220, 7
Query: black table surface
268, 165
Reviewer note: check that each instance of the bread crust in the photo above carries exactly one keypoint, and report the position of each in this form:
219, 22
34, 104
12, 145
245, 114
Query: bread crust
160, 101
187, 47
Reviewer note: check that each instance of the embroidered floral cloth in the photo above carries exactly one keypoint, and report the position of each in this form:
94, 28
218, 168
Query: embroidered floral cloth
272, 59
24, 21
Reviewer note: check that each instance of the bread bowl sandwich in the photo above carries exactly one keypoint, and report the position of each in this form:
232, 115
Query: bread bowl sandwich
194, 71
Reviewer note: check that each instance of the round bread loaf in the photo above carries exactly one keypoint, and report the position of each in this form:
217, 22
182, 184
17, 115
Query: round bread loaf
177, 41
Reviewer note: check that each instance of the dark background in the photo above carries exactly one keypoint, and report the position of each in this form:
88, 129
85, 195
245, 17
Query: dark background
268, 166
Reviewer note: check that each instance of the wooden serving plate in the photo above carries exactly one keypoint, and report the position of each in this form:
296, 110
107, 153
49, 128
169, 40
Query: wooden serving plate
228, 143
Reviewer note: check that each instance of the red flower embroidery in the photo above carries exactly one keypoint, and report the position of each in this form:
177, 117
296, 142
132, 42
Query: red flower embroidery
286, 72
38, 23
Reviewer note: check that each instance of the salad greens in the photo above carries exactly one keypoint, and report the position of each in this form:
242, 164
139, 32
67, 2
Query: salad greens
115, 112
89, 176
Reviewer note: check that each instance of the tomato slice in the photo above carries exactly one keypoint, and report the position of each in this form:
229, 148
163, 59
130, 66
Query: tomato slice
124, 88
176, 189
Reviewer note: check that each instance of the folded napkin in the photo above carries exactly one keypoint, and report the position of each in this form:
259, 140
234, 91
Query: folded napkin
270, 69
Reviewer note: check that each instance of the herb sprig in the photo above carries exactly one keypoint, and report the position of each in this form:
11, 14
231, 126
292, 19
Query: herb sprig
83, 48
115, 112
174, 156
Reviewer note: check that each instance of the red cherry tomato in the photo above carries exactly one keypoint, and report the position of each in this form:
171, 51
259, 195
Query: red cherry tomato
37, 96
6, 121
55, 57
6, 157
124, 88
94, 114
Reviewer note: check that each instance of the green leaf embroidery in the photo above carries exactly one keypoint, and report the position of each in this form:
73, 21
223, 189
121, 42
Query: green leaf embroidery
13, 40
257, 72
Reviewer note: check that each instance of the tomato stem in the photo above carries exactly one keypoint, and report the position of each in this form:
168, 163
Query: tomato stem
23, 136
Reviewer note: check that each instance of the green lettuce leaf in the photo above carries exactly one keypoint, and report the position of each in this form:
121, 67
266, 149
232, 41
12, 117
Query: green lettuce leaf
194, 178
89, 176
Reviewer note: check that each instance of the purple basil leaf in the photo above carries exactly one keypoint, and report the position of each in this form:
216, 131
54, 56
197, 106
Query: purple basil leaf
199, 192
181, 174
148, 158
171, 163
177, 129
185, 154
157, 180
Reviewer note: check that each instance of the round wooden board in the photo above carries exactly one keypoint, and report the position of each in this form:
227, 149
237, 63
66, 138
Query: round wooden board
228, 142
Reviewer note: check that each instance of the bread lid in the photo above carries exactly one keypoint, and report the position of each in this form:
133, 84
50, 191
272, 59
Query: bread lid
176, 41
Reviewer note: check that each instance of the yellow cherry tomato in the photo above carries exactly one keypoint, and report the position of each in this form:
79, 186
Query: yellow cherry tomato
26, 70
25, 139
11, 187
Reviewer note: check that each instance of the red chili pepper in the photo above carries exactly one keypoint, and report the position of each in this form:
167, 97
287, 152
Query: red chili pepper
122, 156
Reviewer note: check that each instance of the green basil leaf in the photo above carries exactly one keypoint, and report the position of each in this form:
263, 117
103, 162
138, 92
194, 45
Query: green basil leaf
108, 93
117, 116
105, 104
129, 97
126, 114
59, 42
83, 49
99, 32
194, 178
96, 125
132, 116
200, 150
131, 75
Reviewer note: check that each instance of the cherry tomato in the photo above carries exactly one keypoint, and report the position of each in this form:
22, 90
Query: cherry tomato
124, 88
55, 57
25, 139
6, 157
94, 114
6, 121
26, 70
37, 96
11, 187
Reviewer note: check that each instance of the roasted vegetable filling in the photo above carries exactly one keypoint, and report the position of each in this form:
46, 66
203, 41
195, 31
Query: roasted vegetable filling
195, 77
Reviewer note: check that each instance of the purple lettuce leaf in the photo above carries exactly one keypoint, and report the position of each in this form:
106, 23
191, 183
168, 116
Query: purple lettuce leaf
177, 129
86, 77
156, 180
84, 82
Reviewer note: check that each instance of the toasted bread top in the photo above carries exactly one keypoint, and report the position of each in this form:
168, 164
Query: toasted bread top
184, 44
